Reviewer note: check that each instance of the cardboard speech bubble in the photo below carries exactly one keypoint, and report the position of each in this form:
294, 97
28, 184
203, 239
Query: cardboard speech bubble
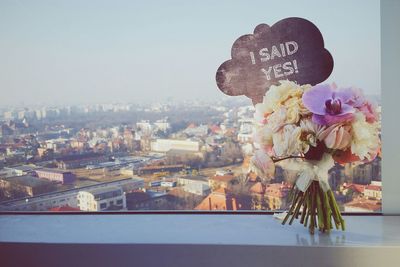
291, 49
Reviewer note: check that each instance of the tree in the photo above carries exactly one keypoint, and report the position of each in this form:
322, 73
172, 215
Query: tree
231, 152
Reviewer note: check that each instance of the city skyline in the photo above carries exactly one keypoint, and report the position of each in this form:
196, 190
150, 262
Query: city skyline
95, 52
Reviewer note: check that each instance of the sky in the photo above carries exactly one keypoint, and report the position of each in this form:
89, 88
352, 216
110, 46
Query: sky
74, 52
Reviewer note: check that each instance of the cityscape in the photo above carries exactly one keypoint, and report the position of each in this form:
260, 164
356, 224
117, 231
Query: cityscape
176, 155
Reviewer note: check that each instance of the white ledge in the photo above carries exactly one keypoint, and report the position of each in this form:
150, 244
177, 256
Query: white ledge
193, 240
261, 230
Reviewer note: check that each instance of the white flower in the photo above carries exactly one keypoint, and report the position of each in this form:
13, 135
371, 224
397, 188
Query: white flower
263, 132
277, 120
263, 136
307, 125
310, 133
287, 141
287, 94
262, 165
259, 114
365, 142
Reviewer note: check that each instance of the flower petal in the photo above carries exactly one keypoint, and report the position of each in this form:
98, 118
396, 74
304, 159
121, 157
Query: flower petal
314, 98
319, 119
346, 109
331, 139
329, 119
345, 95
358, 98
262, 165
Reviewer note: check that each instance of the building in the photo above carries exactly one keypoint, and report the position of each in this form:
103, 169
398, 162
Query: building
64, 177
127, 171
336, 176
363, 205
277, 194
47, 201
197, 189
80, 160
162, 125
8, 172
192, 179
373, 190
168, 183
149, 200
364, 173
193, 130
223, 199
357, 188
270, 196
25, 185
151, 169
144, 127
259, 201
18, 170
221, 181
164, 145
101, 199
197, 185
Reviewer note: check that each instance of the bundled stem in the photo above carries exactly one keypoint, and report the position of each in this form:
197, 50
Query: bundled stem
317, 209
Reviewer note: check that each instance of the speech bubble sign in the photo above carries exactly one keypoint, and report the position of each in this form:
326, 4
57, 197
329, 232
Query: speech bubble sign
291, 49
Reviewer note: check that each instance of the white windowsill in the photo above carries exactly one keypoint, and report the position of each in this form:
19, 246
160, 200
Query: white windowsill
193, 240
193, 229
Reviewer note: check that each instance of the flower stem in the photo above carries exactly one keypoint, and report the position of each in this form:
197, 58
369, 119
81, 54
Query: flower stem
297, 209
289, 157
317, 209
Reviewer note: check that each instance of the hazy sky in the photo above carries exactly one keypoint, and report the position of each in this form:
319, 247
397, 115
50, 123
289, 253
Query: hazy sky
63, 52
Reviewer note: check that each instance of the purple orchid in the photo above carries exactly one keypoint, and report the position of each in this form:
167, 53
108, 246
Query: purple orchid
328, 105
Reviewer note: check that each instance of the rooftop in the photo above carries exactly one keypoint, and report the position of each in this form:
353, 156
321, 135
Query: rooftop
53, 170
28, 180
359, 188
64, 208
25, 168
218, 200
160, 167
97, 191
364, 204
223, 178
79, 157
373, 187
195, 178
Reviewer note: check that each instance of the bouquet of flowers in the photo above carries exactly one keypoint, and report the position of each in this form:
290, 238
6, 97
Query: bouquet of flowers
307, 129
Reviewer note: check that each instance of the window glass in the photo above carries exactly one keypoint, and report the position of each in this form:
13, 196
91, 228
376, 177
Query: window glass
118, 102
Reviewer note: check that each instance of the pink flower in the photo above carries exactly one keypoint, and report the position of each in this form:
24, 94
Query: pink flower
359, 101
328, 105
369, 110
336, 136
357, 98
